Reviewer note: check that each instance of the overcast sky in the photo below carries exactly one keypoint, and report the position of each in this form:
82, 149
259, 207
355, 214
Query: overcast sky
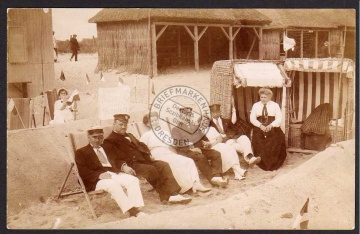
67, 21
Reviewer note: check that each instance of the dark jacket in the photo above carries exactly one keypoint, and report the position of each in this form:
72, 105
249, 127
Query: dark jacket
90, 167
74, 44
129, 152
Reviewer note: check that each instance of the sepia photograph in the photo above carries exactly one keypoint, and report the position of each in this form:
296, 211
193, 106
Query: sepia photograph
174, 118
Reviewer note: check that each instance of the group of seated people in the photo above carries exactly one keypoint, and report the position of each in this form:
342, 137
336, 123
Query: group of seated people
115, 163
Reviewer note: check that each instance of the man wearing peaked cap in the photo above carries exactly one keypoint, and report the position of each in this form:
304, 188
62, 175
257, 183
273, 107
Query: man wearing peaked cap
100, 169
185, 110
122, 117
232, 135
136, 159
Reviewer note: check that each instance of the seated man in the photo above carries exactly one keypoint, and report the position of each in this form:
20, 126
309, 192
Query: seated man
212, 171
99, 168
237, 140
136, 159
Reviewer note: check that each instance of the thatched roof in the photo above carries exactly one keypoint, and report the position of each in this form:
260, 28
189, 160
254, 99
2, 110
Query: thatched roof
310, 18
242, 16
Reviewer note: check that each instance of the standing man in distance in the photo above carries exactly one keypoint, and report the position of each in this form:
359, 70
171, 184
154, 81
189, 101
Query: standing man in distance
75, 47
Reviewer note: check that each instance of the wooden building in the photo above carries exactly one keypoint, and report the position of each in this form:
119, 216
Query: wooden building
146, 41
30, 60
310, 28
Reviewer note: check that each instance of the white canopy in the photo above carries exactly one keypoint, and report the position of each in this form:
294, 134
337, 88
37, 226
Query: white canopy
260, 74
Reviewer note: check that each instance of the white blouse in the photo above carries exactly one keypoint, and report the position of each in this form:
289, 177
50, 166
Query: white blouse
273, 109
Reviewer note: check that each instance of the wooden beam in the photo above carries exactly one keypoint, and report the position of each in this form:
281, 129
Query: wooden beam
251, 48
154, 50
302, 44
257, 34
316, 43
231, 48
190, 33
261, 48
196, 48
202, 32
236, 32
226, 34
161, 32
235, 50
284, 110
204, 24
179, 47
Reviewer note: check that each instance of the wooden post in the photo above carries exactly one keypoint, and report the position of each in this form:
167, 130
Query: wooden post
261, 50
285, 34
231, 49
153, 50
150, 71
283, 109
340, 83
210, 59
316, 43
196, 48
179, 47
235, 50
302, 44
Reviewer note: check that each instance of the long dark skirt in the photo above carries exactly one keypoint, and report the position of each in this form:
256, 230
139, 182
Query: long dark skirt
270, 147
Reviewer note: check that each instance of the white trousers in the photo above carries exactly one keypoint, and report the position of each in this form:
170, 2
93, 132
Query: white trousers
116, 185
241, 145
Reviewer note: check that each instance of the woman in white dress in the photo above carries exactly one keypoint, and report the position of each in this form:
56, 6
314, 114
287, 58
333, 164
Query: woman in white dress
62, 111
229, 155
183, 168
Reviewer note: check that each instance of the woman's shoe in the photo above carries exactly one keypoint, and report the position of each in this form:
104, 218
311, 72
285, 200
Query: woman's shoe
199, 187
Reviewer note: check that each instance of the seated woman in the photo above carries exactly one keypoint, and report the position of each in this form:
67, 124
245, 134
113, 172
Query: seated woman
183, 168
229, 156
63, 112
268, 139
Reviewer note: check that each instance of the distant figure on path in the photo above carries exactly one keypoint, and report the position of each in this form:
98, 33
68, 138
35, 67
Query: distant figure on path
75, 47
55, 48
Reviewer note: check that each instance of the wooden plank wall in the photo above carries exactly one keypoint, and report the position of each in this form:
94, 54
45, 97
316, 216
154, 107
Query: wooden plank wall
271, 44
123, 45
38, 33
310, 89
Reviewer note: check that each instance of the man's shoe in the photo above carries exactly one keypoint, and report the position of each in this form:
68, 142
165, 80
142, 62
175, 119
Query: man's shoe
239, 178
178, 199
220, 182
253, 161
